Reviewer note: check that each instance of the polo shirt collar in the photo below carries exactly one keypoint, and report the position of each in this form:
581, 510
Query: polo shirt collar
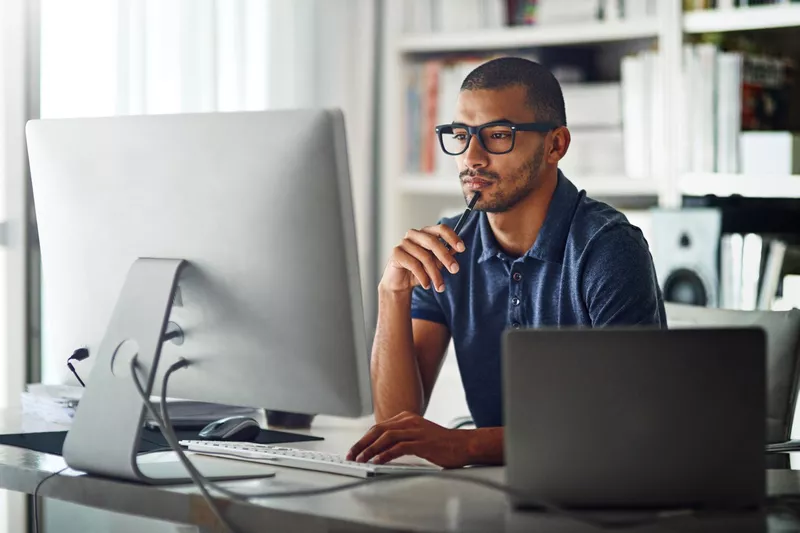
552, 238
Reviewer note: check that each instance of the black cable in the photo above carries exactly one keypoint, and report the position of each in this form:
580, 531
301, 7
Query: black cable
36, 498
78, 355
75, 373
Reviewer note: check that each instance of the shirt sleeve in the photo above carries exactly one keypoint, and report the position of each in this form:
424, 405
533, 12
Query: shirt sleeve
619, 281
425, 306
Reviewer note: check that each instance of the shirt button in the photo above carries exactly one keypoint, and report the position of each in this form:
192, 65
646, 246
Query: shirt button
516, 276
515, 301
515, 325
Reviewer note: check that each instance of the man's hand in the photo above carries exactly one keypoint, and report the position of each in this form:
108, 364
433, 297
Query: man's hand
410, 434
419, 258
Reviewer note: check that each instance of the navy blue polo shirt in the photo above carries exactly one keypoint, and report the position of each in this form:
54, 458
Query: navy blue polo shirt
588, 267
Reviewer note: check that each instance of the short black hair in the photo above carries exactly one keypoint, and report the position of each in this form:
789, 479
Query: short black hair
544, 91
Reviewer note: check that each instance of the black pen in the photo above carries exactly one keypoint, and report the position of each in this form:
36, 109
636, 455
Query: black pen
465, 215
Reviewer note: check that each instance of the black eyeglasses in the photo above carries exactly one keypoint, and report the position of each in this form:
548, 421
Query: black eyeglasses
495, 137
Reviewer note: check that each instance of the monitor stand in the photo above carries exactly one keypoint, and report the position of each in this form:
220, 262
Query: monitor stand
104, 436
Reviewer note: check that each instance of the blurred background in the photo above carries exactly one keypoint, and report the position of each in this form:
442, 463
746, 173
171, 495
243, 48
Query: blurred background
684, 114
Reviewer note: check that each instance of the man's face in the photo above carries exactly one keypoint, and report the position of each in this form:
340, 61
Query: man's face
506, 179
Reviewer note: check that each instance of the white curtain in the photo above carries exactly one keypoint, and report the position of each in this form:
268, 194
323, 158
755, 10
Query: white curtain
117, 57
16, 107
192, 55
18, 103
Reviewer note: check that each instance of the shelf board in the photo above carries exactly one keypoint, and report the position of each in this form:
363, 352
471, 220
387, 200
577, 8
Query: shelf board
742, 18
745, 185
596, 186
528, 36
616, 186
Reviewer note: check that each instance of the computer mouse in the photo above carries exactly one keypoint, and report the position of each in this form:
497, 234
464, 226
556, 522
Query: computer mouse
233, 428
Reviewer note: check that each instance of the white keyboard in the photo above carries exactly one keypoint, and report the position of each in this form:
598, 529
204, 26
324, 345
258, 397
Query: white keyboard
297, 458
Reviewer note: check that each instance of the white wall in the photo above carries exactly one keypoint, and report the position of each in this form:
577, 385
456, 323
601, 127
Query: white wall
322, 54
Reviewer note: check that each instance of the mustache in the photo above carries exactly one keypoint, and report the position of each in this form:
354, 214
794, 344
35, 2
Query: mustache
483, 174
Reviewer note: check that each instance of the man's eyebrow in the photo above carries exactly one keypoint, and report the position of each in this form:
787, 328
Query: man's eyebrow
495, 120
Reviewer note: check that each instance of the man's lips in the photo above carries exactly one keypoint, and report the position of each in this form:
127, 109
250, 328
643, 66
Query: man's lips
477, 183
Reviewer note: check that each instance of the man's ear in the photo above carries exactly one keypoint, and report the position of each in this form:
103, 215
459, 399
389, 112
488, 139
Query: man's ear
558, 145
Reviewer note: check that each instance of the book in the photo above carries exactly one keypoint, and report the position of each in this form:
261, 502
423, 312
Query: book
728, 112
765, 98
635, 117
772, 274
722, 94
731, 270
751, 271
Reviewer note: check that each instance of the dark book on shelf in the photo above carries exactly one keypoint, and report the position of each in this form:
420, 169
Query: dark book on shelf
765, 93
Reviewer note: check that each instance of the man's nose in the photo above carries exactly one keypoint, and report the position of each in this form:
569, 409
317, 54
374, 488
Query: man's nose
475, 156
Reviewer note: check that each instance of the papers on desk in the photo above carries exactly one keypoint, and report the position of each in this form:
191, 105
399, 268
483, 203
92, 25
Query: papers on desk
58, 404
51, 403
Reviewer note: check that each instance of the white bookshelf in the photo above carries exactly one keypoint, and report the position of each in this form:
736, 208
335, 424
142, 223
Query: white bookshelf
527, 37
617, 187
740, 184
417, 200
742, 18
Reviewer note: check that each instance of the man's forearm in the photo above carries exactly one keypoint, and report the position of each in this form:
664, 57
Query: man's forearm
396, 383
485, 446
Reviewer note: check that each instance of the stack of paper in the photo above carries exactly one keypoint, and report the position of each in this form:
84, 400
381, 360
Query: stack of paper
58, 404
52, 403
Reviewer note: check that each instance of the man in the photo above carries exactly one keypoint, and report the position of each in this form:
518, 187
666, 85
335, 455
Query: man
537, 252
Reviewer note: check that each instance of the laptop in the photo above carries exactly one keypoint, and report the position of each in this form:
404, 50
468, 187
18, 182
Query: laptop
633, 418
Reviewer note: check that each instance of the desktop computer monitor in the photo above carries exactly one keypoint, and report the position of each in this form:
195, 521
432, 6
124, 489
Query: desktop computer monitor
234, 229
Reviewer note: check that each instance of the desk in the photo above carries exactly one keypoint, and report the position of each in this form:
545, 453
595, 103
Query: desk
406, 505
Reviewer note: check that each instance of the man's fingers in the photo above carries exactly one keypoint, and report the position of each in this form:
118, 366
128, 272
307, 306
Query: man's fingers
398, 450
365, 441
428, 261
447, 234
368, 438
412, 264
386, 441
430, 241
396, 422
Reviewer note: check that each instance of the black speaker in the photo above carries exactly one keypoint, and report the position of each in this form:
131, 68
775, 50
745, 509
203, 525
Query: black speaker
685, 252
